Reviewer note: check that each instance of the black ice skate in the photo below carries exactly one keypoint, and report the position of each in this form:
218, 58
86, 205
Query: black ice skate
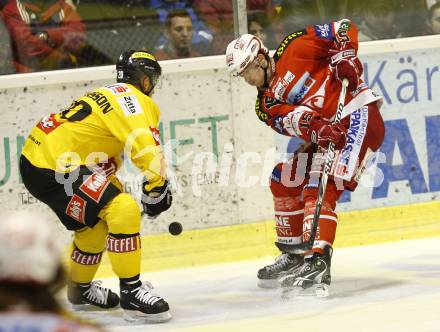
91, 296
312, 278
285, 264
141, 304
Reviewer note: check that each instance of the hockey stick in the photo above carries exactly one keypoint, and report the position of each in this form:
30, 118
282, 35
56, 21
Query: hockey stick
308, 245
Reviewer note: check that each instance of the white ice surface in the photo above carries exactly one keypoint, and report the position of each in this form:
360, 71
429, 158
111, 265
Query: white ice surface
387, 287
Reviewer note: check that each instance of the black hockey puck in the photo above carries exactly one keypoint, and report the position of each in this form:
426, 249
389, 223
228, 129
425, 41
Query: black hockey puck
175, 228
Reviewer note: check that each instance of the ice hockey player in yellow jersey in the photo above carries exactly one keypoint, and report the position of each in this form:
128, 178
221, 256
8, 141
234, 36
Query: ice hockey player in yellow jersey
69, 162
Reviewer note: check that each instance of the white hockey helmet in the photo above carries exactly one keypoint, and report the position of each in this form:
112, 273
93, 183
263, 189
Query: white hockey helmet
29, 248
242, 51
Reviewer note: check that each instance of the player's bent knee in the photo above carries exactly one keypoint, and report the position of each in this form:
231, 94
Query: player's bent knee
281, 183
123, 215
331, 196
91, 240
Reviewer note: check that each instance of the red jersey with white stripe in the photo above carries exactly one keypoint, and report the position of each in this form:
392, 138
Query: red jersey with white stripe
302, 78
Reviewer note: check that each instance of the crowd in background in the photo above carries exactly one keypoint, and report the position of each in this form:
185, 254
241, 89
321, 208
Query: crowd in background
39, 35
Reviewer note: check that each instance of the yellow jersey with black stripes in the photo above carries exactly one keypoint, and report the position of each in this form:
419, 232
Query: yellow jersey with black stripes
96, 129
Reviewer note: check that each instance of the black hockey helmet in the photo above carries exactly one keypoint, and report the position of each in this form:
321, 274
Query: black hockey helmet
133, 65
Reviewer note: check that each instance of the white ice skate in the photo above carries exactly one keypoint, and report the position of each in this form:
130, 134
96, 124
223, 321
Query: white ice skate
312, 279
285, 264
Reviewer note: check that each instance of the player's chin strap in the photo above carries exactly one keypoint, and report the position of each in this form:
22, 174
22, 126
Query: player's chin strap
270, 66
147, 92
141, 86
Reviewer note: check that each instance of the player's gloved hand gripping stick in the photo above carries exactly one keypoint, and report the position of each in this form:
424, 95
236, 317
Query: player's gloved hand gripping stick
308, 245
157, 200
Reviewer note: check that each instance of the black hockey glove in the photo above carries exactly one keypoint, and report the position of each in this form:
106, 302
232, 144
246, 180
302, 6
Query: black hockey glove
157, 200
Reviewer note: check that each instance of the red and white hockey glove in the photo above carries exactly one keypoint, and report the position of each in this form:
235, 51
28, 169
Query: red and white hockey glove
323, 133
345, 64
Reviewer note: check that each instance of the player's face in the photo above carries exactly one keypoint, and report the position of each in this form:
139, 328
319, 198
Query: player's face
381, 18
257, 30
253, 75
435, 22
180, 32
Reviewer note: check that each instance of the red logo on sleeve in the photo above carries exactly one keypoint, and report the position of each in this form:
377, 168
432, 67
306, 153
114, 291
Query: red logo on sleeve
76, 208
48, 123
156, 135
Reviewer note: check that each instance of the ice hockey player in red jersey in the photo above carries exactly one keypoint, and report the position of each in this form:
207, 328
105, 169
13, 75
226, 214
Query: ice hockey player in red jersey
298, 89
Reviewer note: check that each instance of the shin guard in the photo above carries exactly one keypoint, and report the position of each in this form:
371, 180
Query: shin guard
86, 252
124, 251
289, 213
83, 265
326, 232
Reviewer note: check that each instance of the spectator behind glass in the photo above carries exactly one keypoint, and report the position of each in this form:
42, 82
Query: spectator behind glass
410, 17
433, 20
202, 35
6, 64
258, 25
378, 20
179, 32
46, 34
218, 15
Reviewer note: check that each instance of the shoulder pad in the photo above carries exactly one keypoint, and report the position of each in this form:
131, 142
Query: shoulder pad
286, 41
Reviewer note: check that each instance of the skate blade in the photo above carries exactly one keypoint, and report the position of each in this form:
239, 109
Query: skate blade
268, 283
317, 290
134, 316
91, 307
322, 290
